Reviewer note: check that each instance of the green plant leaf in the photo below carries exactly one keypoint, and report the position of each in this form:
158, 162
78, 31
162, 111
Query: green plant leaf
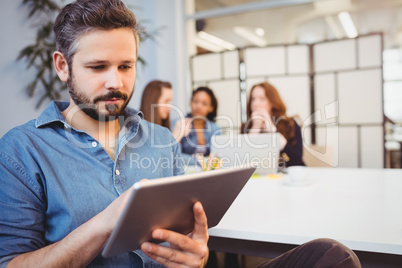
31, 88
141, 60
25, 52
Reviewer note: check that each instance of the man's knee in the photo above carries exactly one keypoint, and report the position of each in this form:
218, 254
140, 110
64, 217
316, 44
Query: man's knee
324, 243
334, 253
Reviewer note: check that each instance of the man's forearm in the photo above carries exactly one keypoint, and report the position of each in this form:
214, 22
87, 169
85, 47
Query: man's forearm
81, 246
77, 249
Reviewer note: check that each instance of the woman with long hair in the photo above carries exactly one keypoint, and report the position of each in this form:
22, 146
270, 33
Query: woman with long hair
155, 102
266, 112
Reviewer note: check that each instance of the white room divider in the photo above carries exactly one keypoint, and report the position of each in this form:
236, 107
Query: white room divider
220, 72
349, 72
338, 82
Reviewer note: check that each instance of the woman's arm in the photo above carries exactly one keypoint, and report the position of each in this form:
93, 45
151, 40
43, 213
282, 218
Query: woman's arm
294, 149
181, 128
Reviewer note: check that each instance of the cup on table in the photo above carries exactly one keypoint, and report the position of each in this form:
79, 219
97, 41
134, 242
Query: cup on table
297, 174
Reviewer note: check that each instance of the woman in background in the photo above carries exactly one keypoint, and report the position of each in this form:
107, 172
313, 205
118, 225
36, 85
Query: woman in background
156, 101
193, 132
200, 124
266, 112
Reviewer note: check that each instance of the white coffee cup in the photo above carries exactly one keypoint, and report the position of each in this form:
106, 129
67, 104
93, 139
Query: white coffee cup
297, 174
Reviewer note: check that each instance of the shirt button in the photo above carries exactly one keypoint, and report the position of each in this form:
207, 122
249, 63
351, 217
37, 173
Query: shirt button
94, 144
117, 172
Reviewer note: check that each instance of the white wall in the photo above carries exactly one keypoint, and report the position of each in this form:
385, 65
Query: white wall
164, 57
16, 108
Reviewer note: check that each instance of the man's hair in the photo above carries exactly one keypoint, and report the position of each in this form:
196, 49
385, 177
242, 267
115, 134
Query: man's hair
83, 16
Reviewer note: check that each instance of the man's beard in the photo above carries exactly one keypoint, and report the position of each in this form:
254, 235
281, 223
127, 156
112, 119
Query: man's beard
112, 111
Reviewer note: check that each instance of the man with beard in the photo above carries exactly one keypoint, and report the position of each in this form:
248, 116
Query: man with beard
66, 176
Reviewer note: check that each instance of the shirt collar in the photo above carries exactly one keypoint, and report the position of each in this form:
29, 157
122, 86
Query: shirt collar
52, 113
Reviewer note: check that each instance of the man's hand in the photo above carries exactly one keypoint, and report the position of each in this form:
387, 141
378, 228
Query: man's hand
109, 216
185, 251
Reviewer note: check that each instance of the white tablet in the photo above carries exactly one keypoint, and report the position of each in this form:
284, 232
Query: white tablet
168, 203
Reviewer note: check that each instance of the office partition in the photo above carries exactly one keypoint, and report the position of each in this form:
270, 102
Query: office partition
349, 73
220, 72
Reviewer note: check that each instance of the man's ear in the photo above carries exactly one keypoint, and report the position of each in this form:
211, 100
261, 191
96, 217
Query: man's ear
61, 66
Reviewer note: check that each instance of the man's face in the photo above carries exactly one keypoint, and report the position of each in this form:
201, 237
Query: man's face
103, 73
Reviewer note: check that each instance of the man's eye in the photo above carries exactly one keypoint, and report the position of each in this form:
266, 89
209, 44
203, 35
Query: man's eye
98, 67
125, 67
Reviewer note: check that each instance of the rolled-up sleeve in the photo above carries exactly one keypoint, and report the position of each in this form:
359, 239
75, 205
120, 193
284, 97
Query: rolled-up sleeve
22, 210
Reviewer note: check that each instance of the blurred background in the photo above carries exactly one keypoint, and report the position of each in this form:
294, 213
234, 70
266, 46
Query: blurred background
340, 58
219, 26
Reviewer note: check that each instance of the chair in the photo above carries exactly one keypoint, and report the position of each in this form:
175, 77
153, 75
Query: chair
318, 156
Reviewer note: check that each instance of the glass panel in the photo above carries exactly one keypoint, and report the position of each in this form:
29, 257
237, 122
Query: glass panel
392, 55
393, 84
393, 71
393, 100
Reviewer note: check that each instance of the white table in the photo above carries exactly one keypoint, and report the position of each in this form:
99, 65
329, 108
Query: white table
362, 208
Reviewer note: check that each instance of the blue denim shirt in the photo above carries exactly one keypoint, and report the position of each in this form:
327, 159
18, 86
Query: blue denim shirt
54, 178
189, 143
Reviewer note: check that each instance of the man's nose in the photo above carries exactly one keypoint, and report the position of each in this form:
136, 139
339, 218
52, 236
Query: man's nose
113, 80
